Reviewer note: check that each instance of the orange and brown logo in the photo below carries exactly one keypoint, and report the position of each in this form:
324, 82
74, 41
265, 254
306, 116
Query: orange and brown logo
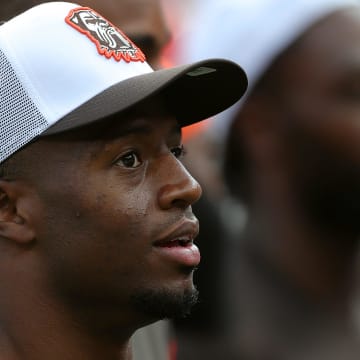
109, 40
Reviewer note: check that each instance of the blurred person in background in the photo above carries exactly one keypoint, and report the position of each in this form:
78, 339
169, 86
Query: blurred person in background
145, 23
291, 158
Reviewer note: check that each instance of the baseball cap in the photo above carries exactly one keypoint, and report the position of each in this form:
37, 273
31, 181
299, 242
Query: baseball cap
64, 66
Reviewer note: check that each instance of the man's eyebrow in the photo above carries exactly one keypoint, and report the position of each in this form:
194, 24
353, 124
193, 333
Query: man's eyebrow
145, 129
131, 129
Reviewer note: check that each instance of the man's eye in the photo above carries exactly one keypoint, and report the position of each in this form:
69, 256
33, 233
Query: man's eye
129, 160
178, 151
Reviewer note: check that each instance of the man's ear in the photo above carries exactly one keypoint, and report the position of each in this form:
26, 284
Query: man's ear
14, 224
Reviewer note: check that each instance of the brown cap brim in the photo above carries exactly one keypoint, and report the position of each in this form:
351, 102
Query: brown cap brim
192, 93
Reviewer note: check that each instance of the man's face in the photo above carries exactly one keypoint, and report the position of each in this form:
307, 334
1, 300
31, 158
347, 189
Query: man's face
142, 20
113, 218
320, 103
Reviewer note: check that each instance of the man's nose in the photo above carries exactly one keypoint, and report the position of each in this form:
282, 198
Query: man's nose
179, 188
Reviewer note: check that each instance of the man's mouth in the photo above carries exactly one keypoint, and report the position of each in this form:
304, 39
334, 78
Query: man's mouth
181, 242
178, 245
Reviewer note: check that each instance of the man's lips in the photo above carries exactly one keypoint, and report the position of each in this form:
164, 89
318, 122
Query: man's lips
178, 243
182, 233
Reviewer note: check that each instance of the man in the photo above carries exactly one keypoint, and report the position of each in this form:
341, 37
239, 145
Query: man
144, 22
292, 159
96, 226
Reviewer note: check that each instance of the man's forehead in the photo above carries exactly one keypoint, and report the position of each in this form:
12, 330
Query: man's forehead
142, 125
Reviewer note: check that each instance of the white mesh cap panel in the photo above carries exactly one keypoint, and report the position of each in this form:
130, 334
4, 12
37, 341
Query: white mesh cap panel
20, 120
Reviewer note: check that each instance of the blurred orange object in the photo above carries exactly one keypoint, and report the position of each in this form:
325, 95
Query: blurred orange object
190, 131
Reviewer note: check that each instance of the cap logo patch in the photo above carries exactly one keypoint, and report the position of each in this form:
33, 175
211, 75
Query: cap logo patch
109, 40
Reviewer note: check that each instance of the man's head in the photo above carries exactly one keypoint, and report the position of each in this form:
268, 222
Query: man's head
95, 205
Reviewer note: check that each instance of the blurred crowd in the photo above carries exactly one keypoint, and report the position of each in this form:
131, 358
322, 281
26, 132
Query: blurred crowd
280, 171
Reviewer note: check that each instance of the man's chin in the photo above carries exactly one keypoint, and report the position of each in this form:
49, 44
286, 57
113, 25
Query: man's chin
165, 303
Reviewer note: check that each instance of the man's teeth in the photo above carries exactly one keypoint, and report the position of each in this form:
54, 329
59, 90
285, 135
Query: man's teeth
177, 242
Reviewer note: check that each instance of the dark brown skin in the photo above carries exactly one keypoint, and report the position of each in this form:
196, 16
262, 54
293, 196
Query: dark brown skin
77, 234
